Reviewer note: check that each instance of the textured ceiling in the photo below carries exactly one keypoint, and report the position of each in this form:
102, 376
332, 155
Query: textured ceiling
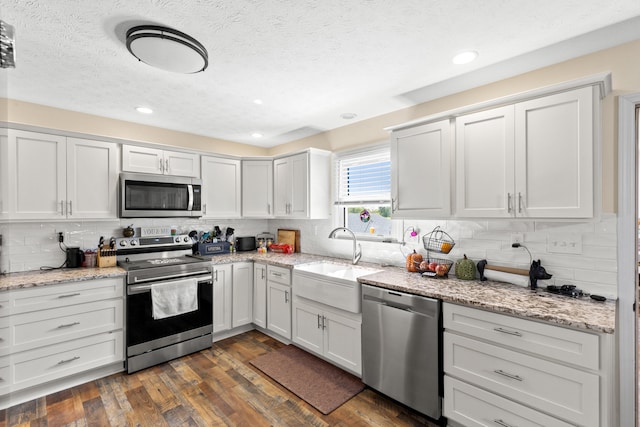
308, 61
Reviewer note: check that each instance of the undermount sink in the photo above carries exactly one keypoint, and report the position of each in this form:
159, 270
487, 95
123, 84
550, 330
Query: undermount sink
330, 283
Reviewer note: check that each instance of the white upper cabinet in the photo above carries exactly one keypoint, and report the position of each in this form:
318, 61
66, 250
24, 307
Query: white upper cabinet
532, 159
421, 171
302, 185
257, 188
221, 187
160, 162
54, 177
4, 174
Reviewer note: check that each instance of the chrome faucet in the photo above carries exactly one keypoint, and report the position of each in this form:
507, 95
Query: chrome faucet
357, 254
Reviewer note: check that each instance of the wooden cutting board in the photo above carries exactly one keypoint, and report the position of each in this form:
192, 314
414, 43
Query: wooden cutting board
291, 237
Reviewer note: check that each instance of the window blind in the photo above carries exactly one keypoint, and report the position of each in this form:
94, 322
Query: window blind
364, 177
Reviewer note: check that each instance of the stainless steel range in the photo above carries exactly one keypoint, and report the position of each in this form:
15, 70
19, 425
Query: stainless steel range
169, 299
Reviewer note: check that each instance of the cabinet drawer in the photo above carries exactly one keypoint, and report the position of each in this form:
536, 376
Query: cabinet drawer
52, 296
567, 345
474, 407
279, 275
5, 376
4, 304
37, 366
31, 330
558, 390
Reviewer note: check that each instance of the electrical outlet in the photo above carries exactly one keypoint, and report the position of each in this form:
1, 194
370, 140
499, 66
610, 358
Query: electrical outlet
517, 238
565, 243
60, 237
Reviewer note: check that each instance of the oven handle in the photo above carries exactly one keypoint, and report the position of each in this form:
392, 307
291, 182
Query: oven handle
139, 289
172, 276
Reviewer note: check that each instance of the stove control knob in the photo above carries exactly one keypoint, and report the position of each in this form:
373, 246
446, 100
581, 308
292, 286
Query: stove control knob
123, 243
186, 239
177, 239
134, 242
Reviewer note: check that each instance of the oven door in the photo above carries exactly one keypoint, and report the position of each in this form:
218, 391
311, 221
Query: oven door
144, 333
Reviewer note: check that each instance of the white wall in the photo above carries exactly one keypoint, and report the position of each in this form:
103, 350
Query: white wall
593, 271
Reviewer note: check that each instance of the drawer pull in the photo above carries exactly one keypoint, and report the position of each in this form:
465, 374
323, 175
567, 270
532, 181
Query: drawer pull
506, 331
62, 362
69, 295
276, 274
508, 375
68, 325
502, 423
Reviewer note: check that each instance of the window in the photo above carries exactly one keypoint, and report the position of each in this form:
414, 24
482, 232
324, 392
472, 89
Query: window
363, 191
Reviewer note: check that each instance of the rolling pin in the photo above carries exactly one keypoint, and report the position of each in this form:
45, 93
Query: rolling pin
511, 270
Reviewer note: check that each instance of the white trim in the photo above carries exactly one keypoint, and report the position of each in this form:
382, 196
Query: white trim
600, 80
627, 265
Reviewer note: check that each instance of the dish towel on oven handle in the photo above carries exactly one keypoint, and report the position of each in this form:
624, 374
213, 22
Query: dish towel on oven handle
174, 298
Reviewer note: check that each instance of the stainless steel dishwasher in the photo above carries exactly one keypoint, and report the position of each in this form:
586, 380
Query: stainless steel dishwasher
401, 356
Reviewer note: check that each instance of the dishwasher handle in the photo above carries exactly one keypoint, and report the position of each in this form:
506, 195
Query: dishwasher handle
402, 301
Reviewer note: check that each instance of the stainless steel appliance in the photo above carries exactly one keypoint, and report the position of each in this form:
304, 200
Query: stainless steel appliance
146, 195
154, 264
401, 351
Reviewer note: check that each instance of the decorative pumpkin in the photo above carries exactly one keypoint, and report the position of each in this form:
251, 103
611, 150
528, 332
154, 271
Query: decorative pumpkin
413, 261
465, 269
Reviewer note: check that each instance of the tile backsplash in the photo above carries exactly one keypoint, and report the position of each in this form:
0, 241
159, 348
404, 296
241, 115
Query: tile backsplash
32, 245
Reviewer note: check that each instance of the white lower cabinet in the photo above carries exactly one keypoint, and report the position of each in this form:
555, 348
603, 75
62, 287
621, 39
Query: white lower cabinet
503, 370
222, 297
52, 332
242, 294
328, 332
260, 295
279, 301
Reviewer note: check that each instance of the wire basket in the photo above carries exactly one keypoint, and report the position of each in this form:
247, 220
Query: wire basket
438, 241
437, 267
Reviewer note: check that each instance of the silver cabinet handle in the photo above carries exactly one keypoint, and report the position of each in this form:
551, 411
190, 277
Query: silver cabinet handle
324, 325
519, 202
286, 296
62, 207
69, 295
68, 325
62, 362
161, 167
509, 202
508, 375
276, 274
166, 166
269, 208
502, 423
215, 277
204, 209
262, 272
319, 325
70, 208
506, 331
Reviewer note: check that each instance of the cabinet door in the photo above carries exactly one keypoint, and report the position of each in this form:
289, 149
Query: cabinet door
307, 326
242, 313
281, 186
257, 188
485, 163
554, 155
260, 295
222, 300
279, 309
342, 341
39, 179
421, 171
92, 179
181, 164
221, 187
4, 175
142, 159
299, 204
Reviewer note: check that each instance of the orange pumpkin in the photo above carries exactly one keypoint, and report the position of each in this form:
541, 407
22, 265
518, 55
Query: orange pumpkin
413, 261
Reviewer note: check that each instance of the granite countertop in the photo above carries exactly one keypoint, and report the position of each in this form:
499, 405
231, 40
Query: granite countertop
582, 313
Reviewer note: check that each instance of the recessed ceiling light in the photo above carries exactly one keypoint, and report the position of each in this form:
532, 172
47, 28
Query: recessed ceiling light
144, 110
257, 101
465, 57
348, 116
256, 135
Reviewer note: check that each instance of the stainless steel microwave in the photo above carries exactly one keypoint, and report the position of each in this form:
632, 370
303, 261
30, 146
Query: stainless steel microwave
146, 195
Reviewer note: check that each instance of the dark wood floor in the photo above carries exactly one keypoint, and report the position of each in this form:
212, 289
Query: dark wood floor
214, 387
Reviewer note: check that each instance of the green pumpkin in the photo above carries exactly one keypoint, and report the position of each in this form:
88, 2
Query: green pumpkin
465, 269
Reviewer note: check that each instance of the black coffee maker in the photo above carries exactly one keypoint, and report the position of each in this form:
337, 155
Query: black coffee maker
75, 256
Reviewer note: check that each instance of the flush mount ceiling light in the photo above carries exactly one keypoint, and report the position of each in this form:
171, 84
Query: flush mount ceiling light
167, 49
144, 110
465, 57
